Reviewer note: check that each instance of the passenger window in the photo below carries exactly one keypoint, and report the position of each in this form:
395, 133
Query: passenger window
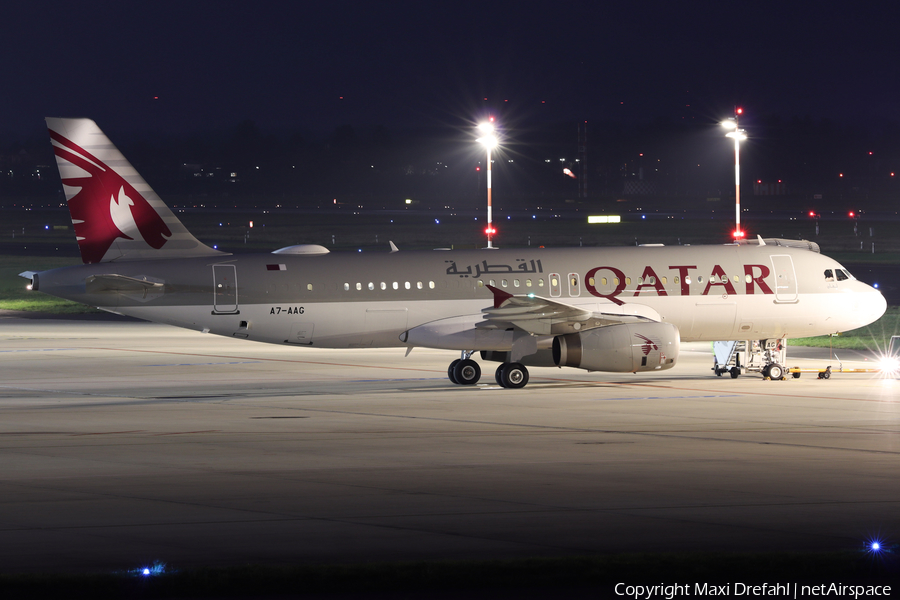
641, 280
383, 285
346, 287
503, 282
664, 280
675, 279
616, 281
480, 283
748, 278
540, 283
396, 285
406, 285
628, 281
309, 286
603, 281
515, 283
431, 285
700, 279
358, 286
527, 283
371, 286
419, 285
737, 279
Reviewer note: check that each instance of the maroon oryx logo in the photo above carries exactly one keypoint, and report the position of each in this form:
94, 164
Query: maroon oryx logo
105, 205
648, 344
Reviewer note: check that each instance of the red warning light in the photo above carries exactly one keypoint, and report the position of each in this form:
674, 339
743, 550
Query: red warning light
852, 214
477, 168
812, 213
739, 111
738, 234
490, 231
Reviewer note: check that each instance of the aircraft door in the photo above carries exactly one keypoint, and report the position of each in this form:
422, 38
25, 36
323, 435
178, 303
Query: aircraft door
785, 278
225, 295
574, 288
555, 285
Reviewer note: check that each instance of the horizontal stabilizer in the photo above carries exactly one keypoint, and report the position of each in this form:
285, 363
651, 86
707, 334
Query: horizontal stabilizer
120, 284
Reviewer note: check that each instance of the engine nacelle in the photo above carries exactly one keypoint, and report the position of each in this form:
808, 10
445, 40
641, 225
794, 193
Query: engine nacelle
626, 348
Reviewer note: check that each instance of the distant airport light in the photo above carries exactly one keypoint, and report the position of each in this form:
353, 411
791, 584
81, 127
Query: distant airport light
738, 135
145, 572
604, 219
251, 224
409, 200
738, 234
489, 141
852, 214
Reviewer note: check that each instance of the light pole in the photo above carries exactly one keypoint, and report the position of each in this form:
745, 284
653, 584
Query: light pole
489, 141
738, 135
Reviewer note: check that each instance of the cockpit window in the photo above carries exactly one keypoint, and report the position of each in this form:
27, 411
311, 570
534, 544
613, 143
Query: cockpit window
842, 275
829, 275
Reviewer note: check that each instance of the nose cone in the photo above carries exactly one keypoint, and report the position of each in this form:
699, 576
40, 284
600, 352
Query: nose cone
871, 307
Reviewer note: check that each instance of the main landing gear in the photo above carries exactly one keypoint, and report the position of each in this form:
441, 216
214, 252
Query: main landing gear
511, 375
465, 371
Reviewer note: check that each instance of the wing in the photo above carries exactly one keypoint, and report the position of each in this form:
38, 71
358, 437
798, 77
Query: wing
542, 316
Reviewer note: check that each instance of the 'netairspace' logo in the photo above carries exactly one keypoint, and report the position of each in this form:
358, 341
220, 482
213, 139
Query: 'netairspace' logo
783, 590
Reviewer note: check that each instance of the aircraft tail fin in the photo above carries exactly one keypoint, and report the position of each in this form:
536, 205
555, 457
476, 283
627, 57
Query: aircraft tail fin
115, 213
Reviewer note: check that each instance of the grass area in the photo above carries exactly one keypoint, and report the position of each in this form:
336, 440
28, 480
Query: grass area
14, 295
581, 576
876, 336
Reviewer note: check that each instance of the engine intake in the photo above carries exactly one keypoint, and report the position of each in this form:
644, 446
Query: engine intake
626, 348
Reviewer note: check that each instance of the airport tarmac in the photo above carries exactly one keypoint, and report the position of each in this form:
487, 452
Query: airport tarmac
127, 442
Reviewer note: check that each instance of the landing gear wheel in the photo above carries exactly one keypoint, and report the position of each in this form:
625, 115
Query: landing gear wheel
450, 370
735, 372
467, 372
776, 372
512, 375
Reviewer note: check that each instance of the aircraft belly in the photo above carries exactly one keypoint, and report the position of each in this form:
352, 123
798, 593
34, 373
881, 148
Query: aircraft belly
324, 325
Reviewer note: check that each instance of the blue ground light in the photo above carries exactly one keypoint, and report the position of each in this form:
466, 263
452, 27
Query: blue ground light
157, 568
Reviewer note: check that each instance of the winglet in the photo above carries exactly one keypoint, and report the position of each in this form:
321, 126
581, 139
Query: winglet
394, 248
499, 296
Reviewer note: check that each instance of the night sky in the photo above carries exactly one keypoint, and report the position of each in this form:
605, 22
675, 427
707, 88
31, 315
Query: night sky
198, 66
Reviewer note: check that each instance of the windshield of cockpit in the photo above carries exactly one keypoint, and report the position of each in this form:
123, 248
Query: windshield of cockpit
837, 274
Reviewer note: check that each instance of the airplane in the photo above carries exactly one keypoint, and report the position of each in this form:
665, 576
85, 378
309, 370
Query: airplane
622, 310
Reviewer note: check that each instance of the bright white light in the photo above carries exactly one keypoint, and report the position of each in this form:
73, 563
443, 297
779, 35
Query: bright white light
488, 141
889, 364
876, 546
739, 135
486, 127
28, 287
146, 571
729, 124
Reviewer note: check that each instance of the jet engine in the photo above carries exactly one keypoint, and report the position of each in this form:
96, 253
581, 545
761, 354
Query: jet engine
625, 348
